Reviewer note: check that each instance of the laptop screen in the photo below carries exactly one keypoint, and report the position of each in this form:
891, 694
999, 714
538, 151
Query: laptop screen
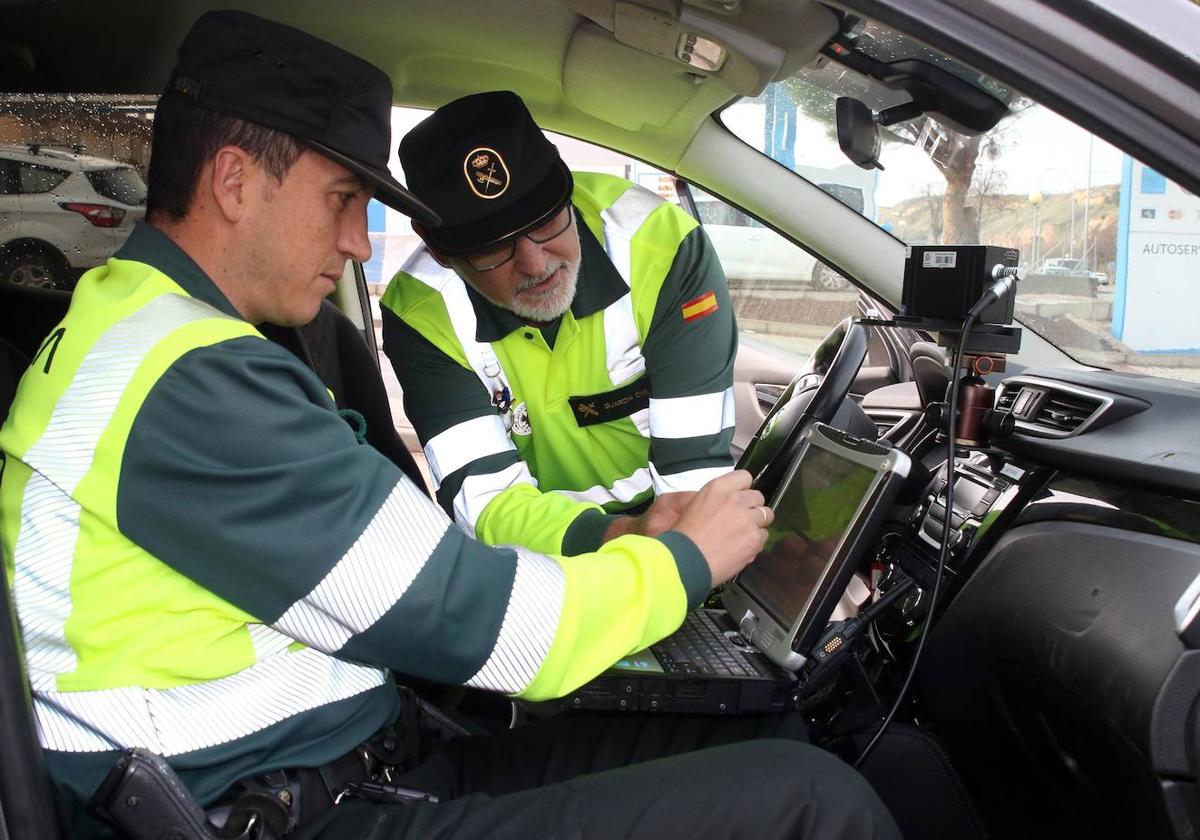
813, 511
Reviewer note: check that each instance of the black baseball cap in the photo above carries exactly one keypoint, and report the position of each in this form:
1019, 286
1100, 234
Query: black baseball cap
279, 77
485, 167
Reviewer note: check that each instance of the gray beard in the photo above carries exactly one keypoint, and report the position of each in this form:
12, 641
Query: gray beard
543, 307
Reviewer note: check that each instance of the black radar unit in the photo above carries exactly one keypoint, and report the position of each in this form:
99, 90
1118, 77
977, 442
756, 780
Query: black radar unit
943, 282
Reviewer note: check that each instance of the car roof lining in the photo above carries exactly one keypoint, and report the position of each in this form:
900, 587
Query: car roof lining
556, 70
564, 72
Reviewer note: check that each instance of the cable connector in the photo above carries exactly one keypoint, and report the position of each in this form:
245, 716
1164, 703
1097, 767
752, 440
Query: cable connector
837, 640
1006, 278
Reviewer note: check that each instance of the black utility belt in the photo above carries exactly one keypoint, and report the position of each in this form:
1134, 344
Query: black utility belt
607, 406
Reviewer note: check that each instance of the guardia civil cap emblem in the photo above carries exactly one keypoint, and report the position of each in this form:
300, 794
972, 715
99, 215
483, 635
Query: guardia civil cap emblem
486, 173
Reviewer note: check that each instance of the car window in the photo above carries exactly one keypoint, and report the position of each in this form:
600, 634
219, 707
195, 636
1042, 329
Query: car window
786, 298
712, 211
70, 157
852, 197
33, 178
8, 177
1110, 247
120, 184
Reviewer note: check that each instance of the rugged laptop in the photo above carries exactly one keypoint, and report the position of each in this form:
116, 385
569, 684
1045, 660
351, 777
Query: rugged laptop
744, 657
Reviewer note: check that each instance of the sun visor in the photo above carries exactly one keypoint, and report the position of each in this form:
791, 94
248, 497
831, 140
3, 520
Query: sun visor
743, 47
663, 86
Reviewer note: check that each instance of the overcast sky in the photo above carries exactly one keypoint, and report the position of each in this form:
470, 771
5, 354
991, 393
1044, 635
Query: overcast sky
1041, 151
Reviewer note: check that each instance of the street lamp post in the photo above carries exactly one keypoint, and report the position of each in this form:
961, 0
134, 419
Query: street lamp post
1071, 227
1087, 203
1035, 198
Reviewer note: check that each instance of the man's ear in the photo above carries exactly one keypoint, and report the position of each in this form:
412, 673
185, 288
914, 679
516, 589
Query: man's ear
442, 259
232, 171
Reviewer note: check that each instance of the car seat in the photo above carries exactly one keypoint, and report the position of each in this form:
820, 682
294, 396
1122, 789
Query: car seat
28, 314
13, 362
930, 371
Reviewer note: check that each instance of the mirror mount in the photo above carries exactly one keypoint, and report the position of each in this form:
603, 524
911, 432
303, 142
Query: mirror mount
898, 114
950, 100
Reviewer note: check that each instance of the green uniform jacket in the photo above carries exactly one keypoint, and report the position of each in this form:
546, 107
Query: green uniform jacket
205, 563
628, 395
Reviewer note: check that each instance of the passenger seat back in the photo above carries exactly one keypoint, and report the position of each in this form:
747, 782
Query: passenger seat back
12, 367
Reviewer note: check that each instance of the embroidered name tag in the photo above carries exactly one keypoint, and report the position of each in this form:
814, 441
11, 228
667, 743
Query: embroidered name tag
612, 405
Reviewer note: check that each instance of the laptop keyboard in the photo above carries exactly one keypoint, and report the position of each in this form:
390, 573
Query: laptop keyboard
700, 647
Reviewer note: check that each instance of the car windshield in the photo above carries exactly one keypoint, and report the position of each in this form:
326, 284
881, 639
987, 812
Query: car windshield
1110, 248
120, 184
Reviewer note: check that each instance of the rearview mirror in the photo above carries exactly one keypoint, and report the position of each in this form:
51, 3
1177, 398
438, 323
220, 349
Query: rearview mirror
858, 133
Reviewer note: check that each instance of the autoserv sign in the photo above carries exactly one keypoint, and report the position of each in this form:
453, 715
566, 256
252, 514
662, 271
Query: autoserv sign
1158, 263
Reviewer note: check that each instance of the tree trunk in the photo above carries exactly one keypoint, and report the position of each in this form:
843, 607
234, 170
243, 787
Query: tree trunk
959, 224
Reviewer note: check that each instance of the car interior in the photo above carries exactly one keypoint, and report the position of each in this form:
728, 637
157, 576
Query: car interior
1036, 669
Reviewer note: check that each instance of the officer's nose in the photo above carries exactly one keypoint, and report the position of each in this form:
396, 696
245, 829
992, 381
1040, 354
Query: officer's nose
529, 257
352, 239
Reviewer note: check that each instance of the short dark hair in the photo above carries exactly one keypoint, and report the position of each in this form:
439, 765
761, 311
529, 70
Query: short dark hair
186, 136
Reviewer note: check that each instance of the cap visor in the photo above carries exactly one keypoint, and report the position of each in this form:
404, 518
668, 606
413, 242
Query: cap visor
387, 189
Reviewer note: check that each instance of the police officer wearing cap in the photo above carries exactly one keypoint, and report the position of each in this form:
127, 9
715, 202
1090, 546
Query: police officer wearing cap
565, 342
206, 564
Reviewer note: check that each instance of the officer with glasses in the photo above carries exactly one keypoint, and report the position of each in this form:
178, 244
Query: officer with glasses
565, 341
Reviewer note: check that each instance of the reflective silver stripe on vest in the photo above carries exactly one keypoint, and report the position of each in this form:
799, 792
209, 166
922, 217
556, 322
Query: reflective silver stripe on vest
621, 221
267, 641
696, 416
529, 625
687, 480
462, 443
477, 492
60, 459
622, 490
639, 481
179, 720
373, 575
480, 355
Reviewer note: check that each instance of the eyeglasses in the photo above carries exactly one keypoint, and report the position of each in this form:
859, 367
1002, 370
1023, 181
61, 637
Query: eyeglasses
497, 255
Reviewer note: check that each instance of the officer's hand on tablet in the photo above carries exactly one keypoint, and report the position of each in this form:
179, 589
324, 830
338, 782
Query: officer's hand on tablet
727, 521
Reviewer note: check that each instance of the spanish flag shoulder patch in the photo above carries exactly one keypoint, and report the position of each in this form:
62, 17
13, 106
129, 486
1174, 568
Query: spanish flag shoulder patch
706, 304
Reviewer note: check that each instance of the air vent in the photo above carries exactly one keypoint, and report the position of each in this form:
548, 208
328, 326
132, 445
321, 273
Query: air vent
1065, 412
1046, 408
1007, 398
893, 424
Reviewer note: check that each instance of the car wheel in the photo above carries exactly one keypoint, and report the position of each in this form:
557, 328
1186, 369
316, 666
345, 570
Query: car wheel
29, 265
827, 280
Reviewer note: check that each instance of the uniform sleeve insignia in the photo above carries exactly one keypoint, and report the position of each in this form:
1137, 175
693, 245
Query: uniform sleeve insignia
486, 173
706, 304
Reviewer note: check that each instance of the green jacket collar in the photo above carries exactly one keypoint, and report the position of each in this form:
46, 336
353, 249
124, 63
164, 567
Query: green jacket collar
147, 244
600, 284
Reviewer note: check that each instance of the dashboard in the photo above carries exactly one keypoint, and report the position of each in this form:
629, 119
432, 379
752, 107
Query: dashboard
1062, 670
